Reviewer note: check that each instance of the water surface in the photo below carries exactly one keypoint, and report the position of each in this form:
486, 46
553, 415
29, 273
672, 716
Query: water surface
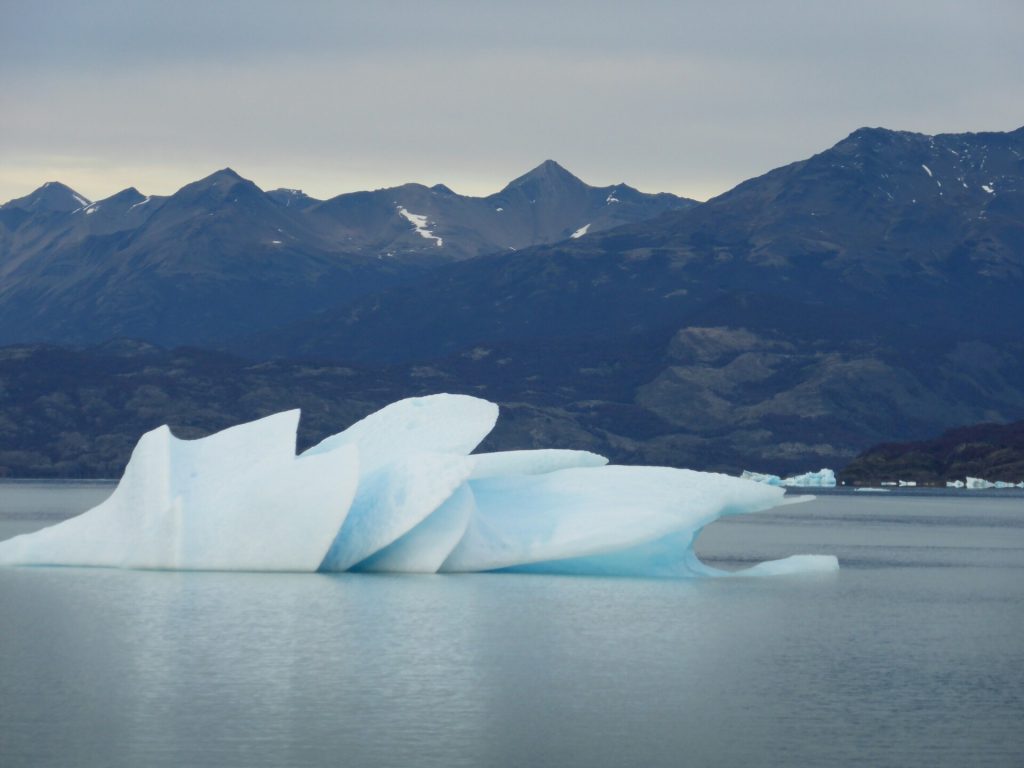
913, 654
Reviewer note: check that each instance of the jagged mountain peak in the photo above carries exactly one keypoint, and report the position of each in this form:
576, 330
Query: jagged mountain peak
53, 196
116, 204
217, 187
548, 173
128, 195
223, 177
292, 198
878, 132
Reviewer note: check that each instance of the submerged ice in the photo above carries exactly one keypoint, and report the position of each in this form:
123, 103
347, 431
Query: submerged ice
399, 491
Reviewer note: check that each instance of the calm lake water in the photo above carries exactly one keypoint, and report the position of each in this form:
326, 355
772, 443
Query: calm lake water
913, 654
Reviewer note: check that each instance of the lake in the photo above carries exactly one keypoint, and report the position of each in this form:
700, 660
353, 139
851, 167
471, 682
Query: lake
912, 654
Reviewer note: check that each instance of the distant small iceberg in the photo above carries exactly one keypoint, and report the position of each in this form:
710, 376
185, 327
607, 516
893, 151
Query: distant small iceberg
400, 492
759, 477
823, 478
980, 484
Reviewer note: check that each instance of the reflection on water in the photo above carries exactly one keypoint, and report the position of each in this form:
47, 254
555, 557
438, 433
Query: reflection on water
911, 654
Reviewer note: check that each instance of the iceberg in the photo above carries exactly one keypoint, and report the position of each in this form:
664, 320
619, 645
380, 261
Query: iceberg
393, 500
759, 477
537, 462
425, 548
436, 424
236, 500
591, 512
400, 491
823, 478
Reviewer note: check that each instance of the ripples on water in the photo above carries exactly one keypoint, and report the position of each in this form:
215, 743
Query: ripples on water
913, 654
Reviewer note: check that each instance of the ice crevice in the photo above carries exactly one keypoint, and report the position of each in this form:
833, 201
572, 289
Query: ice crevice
399, 491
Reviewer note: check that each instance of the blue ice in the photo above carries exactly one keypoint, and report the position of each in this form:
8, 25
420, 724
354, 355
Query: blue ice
399, 491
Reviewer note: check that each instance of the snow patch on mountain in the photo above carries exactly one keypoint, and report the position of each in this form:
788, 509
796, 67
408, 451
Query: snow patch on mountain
420, 223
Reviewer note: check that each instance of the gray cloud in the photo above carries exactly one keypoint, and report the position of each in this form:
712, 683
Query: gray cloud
686, 97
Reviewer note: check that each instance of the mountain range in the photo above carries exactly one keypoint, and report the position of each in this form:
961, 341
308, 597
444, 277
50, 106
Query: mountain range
873, 292
993, 452
221, 258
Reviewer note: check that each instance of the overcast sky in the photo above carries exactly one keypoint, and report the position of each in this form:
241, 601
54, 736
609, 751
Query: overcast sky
687, 97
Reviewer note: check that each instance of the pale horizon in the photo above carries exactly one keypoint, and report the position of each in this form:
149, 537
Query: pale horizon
164, 183
331, 98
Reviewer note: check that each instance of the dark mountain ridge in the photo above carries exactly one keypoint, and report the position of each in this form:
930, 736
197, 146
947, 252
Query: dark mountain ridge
988, 451
221, 258
867, 294
52, 197
860, 236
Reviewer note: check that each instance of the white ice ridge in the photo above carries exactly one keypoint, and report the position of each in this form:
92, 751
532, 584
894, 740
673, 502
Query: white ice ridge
399, 491
236, 500
420, 223
823, 478
761, 477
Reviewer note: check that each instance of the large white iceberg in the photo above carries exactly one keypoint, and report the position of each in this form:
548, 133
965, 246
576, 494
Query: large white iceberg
399, 491
236, 500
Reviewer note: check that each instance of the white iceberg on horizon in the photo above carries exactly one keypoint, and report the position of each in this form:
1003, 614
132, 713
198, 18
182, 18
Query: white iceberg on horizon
761, 477
823, 478
399, 491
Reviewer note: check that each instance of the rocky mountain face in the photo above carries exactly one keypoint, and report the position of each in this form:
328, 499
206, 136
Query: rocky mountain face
868, 294
988, 451
719, 399
865, 238
546, 205
221, 258
77, 412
